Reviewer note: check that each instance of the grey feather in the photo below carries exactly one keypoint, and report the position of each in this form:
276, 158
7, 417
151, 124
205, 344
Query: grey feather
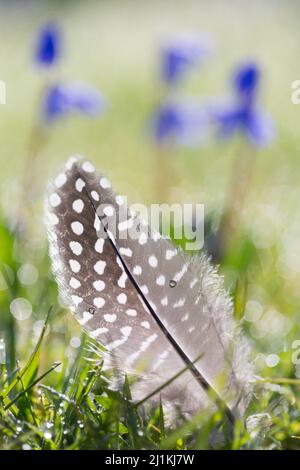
153, 309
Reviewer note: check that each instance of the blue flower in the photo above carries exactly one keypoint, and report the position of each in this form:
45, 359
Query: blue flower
182, 54
243, 115
182, 123
246, 81
61, 100
255, 125
48, 45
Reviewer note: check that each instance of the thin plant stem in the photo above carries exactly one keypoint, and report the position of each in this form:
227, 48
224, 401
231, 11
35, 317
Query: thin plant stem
30, 181
239, 188
10, 333
164, 174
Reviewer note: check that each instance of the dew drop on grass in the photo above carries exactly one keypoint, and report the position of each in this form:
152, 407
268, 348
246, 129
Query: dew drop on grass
272, 360
59, 368
38, 327
253, 311
28, 274
21, 308
2, 351
75, 342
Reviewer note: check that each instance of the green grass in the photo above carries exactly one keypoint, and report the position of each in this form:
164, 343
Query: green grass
74, 408
113, 45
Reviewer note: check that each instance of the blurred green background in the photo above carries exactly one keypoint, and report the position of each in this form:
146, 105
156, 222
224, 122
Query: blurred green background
115, 47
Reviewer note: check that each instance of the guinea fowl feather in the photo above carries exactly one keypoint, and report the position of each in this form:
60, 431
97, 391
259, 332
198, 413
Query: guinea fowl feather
154, 310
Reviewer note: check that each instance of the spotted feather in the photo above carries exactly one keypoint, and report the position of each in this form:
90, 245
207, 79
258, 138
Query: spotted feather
155, 311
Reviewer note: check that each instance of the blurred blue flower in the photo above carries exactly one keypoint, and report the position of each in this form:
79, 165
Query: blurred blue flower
182, 54
61, 100
254, 124
242, 114
48, 45
183, 123
246, 81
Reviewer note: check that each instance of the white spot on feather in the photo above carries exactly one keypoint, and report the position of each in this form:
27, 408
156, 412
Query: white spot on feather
86, 316
105, 183
122, 298
98, 302
126, 251
70, 162
74, 283
99, 267
88, 167
126, 330
53, 219
143, 238
156, 236
55, 200
180, 273
137, 270
97, 223
79, 184
110, 318
60, 180
153, 261
131, 312
76, 299
170, 254
118, 342
108, 211
179, 303
75, 265
99, 285
77, 227
160, 280
76, 248
119, 200
144, 346
98, 332
78, 206
99, 245
95, 195
122, 280
144, 289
